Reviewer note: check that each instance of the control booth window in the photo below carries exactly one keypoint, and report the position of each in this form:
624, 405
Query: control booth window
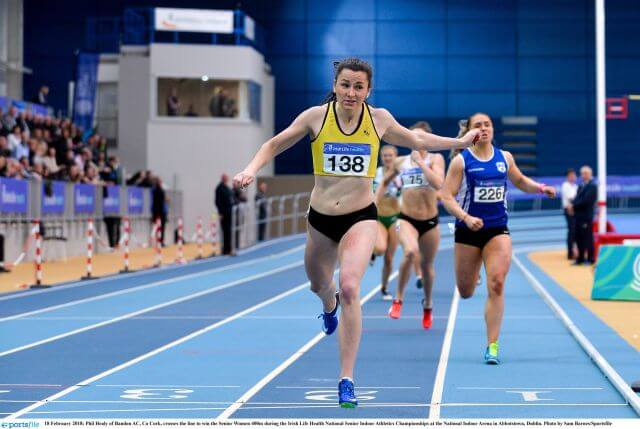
188, 97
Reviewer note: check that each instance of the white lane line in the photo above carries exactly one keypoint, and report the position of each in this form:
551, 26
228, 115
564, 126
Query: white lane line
529, 388
362, 405
158, 350
609, 372
284, 365
152, 308
146, 286
165, 385
332, 387
301, 317
29, 385
165, 269
438, 385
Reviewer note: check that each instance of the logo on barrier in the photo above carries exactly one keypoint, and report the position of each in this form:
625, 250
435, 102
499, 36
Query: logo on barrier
635, 284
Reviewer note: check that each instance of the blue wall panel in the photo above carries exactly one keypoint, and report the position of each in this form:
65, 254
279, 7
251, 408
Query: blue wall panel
557, 37
550, 10
482, 74
341, 10
481, 9
294, 70
410, 38
410, 73
463, 104
423, 105
479, 38
554, 105
341, 38
288, 38
553, 74
395, 10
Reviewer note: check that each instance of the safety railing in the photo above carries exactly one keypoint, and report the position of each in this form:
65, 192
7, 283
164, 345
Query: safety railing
63, 210
269, 218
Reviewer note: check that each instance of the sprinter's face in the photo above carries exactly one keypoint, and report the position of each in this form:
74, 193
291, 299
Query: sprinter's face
351, 89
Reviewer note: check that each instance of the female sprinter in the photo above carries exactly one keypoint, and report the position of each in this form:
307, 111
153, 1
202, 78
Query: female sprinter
475, 193
345, 138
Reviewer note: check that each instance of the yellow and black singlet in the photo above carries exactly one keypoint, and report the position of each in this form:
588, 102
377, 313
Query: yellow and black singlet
338, 154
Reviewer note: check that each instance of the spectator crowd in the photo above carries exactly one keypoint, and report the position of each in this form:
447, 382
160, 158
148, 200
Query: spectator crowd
37, 147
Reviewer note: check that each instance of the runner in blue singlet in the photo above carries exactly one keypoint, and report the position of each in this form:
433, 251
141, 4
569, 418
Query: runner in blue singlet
475, 193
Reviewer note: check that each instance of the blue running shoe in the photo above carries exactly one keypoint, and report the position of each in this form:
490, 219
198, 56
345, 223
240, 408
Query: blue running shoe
330, 320
491, 354
346, 394
419, 282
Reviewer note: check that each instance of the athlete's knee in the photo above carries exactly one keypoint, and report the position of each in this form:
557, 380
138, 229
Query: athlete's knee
317, 287
428, 271
349, 285
495, 284
411, 253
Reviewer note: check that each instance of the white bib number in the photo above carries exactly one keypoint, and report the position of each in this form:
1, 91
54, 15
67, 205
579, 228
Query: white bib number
488, 194
413, 178
346, 159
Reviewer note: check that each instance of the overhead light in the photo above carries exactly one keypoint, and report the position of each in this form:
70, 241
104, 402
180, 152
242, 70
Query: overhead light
205, 78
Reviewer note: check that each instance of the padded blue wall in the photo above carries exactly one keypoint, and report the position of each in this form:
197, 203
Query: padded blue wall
433, 59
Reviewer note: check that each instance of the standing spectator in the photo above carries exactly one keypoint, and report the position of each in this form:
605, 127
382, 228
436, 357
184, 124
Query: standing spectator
239, 197
261, 206
9, 119
173, 103
216, 102
158, 205
568, 191
224, 204
582, 209
112, 175
42, 96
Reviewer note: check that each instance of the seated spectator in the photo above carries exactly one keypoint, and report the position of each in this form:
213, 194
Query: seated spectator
83, 158
50, 161
191, 112
39, 151
20, 145
91, 175
74, 174
3, 166
37, 171
69, 159
4, 147
21, 120
14, 169
14, 138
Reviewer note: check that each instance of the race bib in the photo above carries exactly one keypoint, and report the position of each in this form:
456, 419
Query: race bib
346, 159
488, 194
413, 178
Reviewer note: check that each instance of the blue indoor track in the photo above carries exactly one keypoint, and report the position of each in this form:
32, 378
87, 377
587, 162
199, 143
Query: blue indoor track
239, 338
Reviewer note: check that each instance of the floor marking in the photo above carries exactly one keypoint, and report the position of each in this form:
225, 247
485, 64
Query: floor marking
294, 357
438, 385
144, 272
152, 308
159, 350
529, 388
359, 387
165, 385
30, 385
614, 378
139, 288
